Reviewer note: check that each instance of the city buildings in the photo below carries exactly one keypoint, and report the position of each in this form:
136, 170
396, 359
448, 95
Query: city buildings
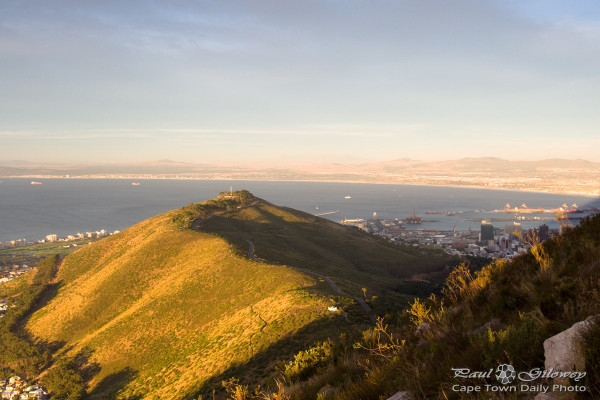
489, 242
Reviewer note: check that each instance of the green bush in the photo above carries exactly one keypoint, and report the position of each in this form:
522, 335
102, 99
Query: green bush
192, 212
307, 363
520, 344
64, 381
17, 353
591, 347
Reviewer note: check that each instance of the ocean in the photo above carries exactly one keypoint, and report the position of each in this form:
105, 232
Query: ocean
67, 206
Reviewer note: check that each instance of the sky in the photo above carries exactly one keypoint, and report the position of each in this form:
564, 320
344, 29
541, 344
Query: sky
298, 81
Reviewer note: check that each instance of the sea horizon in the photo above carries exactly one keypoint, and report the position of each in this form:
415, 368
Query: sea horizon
89, 204
109, 177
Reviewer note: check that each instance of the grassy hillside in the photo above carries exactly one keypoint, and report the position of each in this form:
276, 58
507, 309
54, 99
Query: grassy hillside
349, 256
502, 314
171, 307
22, 296
156, 311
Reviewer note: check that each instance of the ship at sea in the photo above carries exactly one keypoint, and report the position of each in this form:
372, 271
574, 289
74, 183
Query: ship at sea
449, 213
348, 197
413, 219
36, 183
352, 221
135, 184
527, 210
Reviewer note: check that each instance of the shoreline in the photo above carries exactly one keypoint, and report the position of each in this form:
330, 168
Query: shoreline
353, 181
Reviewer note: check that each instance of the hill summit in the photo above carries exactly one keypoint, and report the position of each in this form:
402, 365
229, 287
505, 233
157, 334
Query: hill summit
236, 297
176, 304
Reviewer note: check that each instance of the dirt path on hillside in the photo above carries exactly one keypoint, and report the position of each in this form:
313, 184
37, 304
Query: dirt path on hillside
262, 328
365, 307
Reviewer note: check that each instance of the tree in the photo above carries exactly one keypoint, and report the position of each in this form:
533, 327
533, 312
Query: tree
64, 381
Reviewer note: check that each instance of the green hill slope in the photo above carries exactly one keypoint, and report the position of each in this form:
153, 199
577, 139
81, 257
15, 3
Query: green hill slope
500, 315
352, 258
170, 307
159, 310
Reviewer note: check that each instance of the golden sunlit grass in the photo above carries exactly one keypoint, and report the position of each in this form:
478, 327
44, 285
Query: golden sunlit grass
176, 306
168, 312
352, 258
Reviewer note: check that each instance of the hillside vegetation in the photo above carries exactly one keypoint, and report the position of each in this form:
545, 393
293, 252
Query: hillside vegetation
501, 314
172, 307
17, 353
156, 311
349, 256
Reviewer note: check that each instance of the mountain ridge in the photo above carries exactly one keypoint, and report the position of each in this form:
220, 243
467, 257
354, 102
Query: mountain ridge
134, 327
176, 307
72, 168
172, 306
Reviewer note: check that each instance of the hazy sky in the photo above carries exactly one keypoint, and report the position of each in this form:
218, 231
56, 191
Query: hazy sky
331, 80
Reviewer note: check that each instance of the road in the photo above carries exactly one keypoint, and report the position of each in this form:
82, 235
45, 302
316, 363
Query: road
365, 307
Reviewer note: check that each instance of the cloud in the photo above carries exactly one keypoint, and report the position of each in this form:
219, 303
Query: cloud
18, 134
283, 71
316, 130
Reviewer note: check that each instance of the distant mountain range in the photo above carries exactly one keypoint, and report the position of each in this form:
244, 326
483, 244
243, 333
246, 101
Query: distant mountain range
20, 167
548, 175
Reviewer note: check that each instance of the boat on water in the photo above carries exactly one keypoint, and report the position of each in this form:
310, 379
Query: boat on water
327, 213
352, 221
36, 183
348, 197
135, 184
528, 210
414, 218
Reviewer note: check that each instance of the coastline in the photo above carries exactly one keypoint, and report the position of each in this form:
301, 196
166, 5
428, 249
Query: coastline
271, 179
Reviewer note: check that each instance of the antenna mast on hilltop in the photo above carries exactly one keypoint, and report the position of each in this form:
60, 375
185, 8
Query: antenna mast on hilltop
231, 190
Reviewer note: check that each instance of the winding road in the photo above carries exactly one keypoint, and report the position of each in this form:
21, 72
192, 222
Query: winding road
365, 307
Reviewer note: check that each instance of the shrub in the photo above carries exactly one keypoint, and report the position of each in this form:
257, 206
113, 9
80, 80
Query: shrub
457, 283
419, 313
520, 344
64, 381
307, 363
380, 342
591, 348
17, 353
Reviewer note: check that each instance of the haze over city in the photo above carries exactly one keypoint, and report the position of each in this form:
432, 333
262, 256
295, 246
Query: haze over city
311, 81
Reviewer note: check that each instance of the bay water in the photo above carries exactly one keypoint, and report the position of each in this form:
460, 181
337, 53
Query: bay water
68, 206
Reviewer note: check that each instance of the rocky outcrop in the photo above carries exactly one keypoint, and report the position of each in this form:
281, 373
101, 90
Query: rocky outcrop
563, 352
402, 396
326, 390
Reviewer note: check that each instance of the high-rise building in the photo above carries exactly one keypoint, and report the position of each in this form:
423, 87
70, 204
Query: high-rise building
487, 231
513, 229
543, 232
